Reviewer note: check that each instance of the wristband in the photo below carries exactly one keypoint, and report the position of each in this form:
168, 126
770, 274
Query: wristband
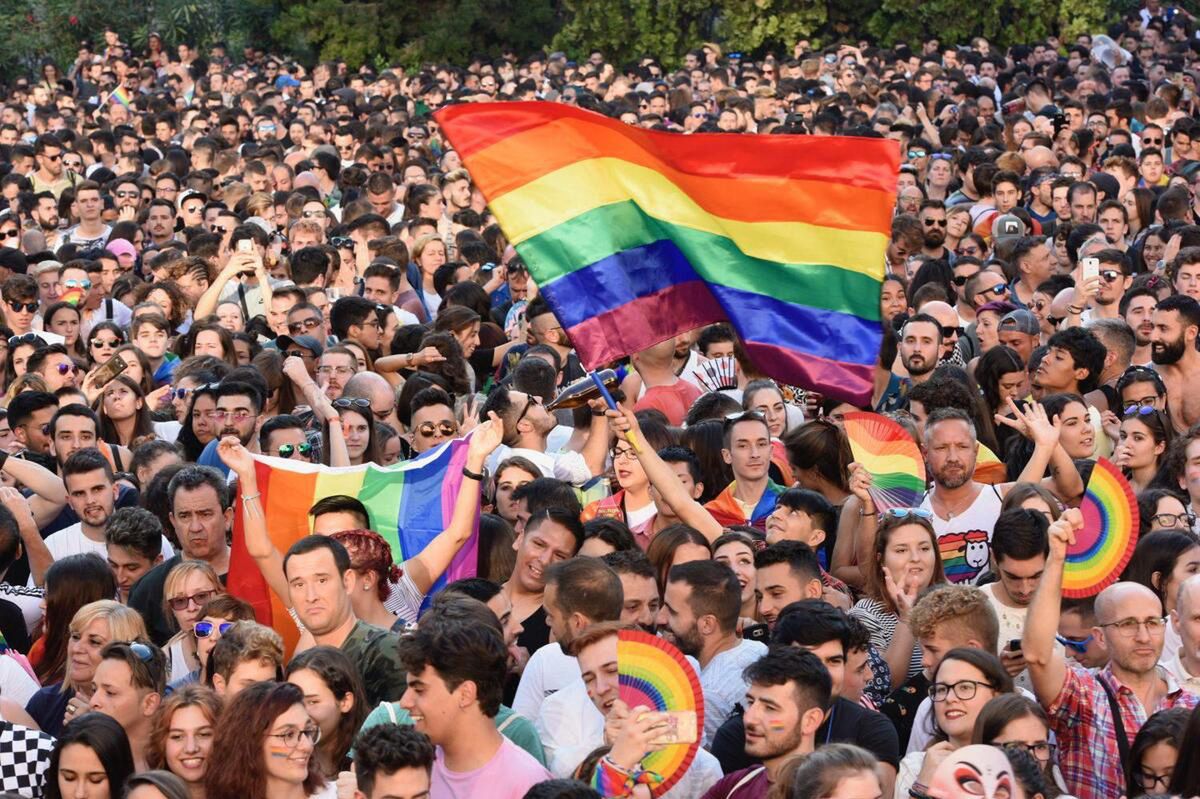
249, 497
472, 475
1074, 310
612, 780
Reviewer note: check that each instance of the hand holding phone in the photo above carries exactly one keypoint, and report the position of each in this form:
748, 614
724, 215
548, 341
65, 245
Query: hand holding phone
1089, 268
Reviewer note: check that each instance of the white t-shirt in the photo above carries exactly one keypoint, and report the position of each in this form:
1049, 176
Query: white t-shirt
723, 683
72, 541
548, 670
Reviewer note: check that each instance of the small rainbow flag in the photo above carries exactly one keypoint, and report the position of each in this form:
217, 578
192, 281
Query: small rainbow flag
634, 236
409, 504
121, 97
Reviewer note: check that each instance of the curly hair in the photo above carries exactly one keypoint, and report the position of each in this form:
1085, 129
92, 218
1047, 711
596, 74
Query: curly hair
454, 368
963, 605
192, 695
370, 552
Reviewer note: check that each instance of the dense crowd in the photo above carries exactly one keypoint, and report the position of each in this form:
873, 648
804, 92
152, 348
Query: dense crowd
209, 259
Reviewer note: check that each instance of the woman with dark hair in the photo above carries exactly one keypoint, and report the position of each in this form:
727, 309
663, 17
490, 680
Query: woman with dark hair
1145, 435
91, 758
935, 271
181, 739
675, 545
1154, 754
265, 743
706, 440
157, 785
893, 299
1015, 720
605, 534
1001, 376
335, 700
19, 350
64, 319
103, 340
124, 417
281, 392
170, 299
496, 556
736, 550
245, 347
965, 680
1139, 206
137, 367
71, 583
1077, 437
199, 428
208, 338
905, 562
454, 367
358, 431
1161, 509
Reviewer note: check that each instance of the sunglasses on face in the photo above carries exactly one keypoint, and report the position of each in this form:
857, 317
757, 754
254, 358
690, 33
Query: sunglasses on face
916, 153
86, 285
302, 325
932, 222
66, 368
286, 450
961, 280
972, 252
28, 307
1152, 142
430, 429
11, 233
204, 629
951, 332
197, 599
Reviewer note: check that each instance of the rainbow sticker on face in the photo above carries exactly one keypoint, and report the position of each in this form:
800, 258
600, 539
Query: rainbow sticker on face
653, 673
1110, 531
73, 296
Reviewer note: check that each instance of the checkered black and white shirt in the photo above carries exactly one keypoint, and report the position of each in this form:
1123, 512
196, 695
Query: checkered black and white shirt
24, 755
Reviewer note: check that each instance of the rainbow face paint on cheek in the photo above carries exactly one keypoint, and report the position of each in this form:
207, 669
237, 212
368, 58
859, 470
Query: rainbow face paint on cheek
279, 751
776, 726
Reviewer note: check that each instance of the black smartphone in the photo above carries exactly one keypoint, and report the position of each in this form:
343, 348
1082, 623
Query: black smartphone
1014, 645
756, 632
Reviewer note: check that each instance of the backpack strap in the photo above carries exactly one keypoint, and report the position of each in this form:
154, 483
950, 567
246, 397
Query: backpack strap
1118, 723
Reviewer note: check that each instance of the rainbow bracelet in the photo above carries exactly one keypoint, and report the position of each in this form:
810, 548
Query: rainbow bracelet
610, 780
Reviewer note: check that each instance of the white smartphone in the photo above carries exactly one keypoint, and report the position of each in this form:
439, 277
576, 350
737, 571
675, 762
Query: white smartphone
1090, 267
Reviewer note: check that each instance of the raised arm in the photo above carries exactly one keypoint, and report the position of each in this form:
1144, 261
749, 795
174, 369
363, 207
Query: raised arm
663, 478
1047, 451
39, 556
1048, 668
595, 449
430, 563
322, 408
254, 520
207, 304
49, 493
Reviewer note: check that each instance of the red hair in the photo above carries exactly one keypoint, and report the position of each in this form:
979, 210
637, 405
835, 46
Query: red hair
370, 552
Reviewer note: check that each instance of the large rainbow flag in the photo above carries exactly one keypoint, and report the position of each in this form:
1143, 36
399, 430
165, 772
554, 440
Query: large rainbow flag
634, 236
409, 504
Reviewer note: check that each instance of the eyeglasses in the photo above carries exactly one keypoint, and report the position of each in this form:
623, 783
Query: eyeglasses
1111, 275
532, 401
27, 338
933, 222
28, 307
628, 453
286, 450
1077, 645
1150, 782
963, 689
906, 513
338, 370
942, 157
291, 738
444, 429
1128, 628
951, 332
238, 416
1173, 519
66, 368
916, 153
357, 403
1043, 751
204, 629
342, 243
197, 599
303, 325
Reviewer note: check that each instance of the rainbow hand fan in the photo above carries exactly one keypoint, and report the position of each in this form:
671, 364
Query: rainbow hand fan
1110, 531
889, 454
653, 673
988, 468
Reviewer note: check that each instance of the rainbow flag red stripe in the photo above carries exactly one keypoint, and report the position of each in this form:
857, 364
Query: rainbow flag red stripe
634, 236
121, 96
409, 504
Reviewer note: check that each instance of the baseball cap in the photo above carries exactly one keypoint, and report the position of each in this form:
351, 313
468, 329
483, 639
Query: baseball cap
119, 247
309, 343
1021, 321
1006, 227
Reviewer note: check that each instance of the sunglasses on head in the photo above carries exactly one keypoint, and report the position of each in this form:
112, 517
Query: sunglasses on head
286, 450
444, 429
942, 157
1139, 409
27, 338
204, 629
905, 513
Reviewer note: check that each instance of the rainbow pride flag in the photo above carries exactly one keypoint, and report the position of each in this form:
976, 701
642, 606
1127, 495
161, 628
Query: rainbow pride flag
409, 504
121, 97
634, 236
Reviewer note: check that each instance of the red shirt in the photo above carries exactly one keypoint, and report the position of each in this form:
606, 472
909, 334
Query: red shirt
674, 400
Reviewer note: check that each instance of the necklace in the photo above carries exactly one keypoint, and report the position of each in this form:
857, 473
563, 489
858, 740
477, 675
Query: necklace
951, 513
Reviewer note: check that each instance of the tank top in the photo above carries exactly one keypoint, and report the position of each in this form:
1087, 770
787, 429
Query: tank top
965, 539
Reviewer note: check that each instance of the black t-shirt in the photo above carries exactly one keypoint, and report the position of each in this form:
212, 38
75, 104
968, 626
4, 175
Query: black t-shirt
536, 633
847, 723
901, 706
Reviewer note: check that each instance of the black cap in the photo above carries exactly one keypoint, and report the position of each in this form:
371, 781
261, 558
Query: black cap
13, 260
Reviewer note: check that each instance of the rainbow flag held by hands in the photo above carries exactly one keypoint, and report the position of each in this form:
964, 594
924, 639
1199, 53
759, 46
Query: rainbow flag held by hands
634, 236
120, 96
409, 504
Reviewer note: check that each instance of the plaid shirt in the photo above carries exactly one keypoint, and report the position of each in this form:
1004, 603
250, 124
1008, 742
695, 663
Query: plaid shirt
1082, 719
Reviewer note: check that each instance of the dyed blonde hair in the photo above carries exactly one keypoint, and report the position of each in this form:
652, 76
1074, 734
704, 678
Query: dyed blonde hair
124, 624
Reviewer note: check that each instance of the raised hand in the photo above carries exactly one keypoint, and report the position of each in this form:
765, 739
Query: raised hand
1039, 426
1062, 533
860, 483
904, 596
487, 436
235, 456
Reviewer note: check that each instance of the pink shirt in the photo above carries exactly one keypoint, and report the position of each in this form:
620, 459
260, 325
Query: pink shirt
508, 775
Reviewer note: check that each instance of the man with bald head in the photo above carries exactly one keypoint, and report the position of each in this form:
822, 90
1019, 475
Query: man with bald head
373, 387
1080, 703
1184, 664
1039, 156
951, 328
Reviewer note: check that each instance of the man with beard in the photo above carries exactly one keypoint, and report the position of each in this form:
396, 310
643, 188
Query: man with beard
1173, 350
1137, 309
238, 407
933, 221
1130, 621
700, 608
45, 213
596, 651
920, 346
963, 511
789, 692
92, 494
639, 589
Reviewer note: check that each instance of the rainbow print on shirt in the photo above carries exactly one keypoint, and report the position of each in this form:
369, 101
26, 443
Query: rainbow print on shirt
964, 555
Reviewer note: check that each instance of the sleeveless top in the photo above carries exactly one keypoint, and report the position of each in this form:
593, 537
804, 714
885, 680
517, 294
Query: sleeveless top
964, 540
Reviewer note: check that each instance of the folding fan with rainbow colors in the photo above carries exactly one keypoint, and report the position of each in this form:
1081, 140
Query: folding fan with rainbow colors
654, 674
889, 454
1104, 546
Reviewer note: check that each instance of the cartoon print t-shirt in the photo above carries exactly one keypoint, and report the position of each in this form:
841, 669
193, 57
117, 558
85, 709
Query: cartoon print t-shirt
964, 540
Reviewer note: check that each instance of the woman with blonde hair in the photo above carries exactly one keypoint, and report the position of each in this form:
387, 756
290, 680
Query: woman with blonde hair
187, 589
92, 627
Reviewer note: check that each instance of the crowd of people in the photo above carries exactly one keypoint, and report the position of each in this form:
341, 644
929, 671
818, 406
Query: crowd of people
208, 259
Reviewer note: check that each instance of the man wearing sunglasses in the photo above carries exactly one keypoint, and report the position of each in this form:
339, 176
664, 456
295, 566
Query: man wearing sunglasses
933, 220
50, 175
54, 366
20, 294
284, 436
